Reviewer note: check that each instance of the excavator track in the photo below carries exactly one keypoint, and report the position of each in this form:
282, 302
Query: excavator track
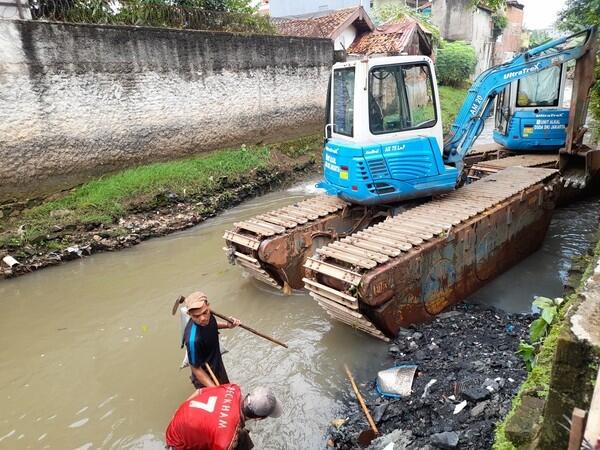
272, 247
341, 275
484, 168
247, 245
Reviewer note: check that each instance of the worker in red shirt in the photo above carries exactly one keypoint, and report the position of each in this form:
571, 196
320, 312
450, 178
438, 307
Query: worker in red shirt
213, 418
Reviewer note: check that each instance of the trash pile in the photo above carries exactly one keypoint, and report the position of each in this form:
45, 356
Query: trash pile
466, 374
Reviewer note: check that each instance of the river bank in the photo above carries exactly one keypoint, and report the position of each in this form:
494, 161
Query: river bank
467, 373
455, 345
124, 209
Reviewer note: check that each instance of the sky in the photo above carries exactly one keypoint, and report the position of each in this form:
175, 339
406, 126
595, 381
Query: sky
541, 13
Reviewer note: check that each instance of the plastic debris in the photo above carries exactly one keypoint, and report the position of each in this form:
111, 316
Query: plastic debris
427, 387
10, 261
396, 381
458, 408
338, 422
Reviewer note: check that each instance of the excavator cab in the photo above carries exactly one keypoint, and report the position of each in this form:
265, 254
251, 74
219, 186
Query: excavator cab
530, 116
384, 132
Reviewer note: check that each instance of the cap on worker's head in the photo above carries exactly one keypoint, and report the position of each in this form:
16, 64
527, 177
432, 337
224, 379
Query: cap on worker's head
196, 300
261, 402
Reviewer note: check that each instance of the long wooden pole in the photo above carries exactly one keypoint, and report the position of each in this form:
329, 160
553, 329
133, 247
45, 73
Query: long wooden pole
181, 299
361, 401
251, 330
212, 375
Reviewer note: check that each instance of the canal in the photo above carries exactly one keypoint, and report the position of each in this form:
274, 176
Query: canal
89, 351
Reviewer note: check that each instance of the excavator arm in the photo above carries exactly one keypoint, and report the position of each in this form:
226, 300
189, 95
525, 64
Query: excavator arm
480, 98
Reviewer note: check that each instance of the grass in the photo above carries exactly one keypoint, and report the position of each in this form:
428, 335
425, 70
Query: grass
104, 200
537, 382
451, 100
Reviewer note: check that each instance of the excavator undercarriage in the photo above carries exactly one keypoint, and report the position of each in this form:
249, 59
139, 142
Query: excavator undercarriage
340, 252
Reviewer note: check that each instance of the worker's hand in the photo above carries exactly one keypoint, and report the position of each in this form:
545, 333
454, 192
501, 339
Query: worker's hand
234, 322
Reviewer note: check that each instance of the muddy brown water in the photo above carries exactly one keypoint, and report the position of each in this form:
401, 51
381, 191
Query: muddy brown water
89, 353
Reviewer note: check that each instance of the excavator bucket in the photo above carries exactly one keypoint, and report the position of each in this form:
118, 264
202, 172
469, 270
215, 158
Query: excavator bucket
578, 162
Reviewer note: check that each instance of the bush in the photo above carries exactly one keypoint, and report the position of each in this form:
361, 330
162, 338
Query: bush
455, 63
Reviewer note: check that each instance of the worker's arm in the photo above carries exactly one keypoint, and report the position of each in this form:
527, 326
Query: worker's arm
235, 323
202, 376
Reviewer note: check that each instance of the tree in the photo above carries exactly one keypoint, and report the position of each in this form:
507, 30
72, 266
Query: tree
389, 13
579, 14
455, 63
494, 5
537, 38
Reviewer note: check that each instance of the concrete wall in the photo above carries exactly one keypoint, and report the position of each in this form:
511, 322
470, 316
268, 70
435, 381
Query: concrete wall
285, 8
82, 100
458, 21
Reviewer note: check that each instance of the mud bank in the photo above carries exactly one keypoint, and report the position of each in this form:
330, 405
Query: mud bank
467, 374
168, 213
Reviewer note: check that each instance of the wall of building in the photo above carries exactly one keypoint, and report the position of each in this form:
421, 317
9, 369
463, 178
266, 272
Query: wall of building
510, 41
286, 8
458, 21
345, 39
81, 100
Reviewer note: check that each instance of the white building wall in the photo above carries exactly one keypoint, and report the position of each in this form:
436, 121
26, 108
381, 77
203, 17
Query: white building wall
14, 9
285, 8
345, 40
482, 40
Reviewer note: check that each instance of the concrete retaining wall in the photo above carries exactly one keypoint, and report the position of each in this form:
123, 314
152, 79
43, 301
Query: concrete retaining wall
81, 100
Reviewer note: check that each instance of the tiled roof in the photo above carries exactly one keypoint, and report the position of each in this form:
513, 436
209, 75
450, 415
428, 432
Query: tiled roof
326, 26
390, 38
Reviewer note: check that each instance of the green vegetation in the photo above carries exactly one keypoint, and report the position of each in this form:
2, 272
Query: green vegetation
500, 22
455, 63
104, 200
389, 13
537, 38
222, 15
538, 329
451, 99
537, 383
495, 5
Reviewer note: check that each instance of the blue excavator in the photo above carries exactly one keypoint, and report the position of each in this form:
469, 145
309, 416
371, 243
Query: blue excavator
530, 116
399, 152
384, 145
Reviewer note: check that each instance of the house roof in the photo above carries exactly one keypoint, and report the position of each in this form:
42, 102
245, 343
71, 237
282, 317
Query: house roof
329, 25
390, 38
515, 4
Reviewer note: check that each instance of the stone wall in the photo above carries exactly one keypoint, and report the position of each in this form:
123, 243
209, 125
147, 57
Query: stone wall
81, 100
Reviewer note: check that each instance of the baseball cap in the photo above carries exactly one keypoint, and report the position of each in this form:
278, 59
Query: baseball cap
261, 402
196, 300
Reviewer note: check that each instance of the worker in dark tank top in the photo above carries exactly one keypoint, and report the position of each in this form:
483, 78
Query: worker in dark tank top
201, 338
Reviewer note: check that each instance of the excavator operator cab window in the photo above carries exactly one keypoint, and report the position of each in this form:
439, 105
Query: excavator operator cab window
401, 98
540, 89
343, 101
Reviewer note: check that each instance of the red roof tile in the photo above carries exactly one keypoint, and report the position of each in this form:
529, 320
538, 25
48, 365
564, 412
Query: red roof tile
327, 26
390, 38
